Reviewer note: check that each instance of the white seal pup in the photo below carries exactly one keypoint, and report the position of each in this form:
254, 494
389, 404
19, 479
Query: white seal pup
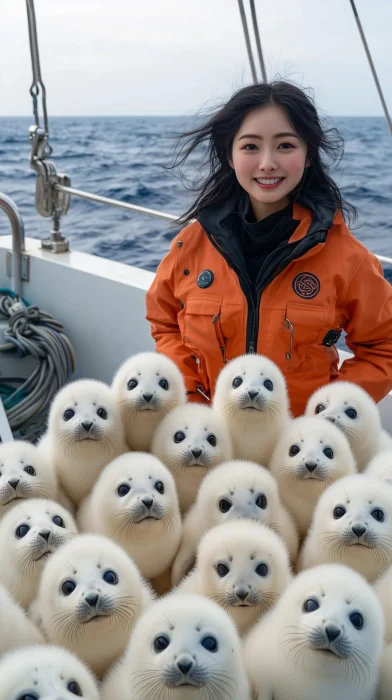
85, 432
383, 588
26, 473
310, 455
147, 386
190, 441
29, 533
352, 525
16, 629
323, 640
236, 489
45, 672
182, 648
135, 503
352, 410
244, 567
380, 466
385, 686
90, 595
251, 397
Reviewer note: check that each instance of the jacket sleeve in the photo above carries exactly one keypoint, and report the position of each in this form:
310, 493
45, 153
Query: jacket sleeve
162, 309
368, 307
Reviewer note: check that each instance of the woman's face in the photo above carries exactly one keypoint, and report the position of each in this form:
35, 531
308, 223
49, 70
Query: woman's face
269, 159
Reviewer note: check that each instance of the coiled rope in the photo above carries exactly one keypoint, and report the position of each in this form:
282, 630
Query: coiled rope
33, 332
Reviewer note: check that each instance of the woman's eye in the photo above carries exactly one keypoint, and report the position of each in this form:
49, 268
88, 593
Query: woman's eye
224, 505
179, 436
30, 470
249, 147
320, 408
290, 145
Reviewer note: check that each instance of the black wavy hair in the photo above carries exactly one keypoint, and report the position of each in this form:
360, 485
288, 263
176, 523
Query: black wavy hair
219, 185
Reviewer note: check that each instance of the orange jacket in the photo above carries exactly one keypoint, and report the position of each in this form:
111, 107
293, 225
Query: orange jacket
337, 284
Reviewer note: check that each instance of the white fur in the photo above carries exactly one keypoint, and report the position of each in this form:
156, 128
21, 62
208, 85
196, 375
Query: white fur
151, 532
380, 466
25, 472
185, 621
16, 630
323, 456
198, 425
45, 672
383, 588
284, 653
256, 570
97, 633
157, 377
363, 432
236, 489
25, 557
255, 424
332, 539
79, 454
385, 688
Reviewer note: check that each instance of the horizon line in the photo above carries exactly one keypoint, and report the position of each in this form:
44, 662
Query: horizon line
162, 116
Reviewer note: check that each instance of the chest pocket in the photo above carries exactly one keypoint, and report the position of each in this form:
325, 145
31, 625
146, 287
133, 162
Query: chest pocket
200, 326
306, 325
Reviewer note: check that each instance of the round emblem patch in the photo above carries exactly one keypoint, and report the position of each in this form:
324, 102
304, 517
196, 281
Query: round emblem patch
306, 285
205, 279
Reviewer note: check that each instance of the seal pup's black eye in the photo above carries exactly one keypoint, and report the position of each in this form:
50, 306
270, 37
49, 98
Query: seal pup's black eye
356, 620
262, 569
22, 531
102, 413
310, 605
164, 384
160, 487
328, 452
74, 688
210, 644
27, 696
179, 436
268, 385
30, 470
378, 515
68, 587
57, 520
222, 570
161, 643
224, 505
294, 449
351, 413
320, 407
110, 577
132, 384
261, 501
237, 381
123, 489
212, 440
68, 414
338, 512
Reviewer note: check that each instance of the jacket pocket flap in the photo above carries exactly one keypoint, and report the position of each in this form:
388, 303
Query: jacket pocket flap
202, 306
305, 314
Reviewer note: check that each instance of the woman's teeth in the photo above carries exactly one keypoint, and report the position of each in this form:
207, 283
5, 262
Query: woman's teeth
268, 181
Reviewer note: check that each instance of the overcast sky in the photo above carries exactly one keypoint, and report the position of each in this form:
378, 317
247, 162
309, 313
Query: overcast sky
118, 57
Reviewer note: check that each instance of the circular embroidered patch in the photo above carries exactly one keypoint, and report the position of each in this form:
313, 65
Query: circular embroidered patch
306, 285
205, 279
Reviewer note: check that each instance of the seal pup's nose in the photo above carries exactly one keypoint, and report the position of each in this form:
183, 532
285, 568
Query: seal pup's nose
332, 631
92, 599
196, 453
185, 664
148, 501
310, 466
45, 534
13, 483
358, 530
252, 394
242, 593
147, 397
87, 425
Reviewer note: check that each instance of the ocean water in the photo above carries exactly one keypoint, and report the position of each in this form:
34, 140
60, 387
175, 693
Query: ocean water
125, 158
